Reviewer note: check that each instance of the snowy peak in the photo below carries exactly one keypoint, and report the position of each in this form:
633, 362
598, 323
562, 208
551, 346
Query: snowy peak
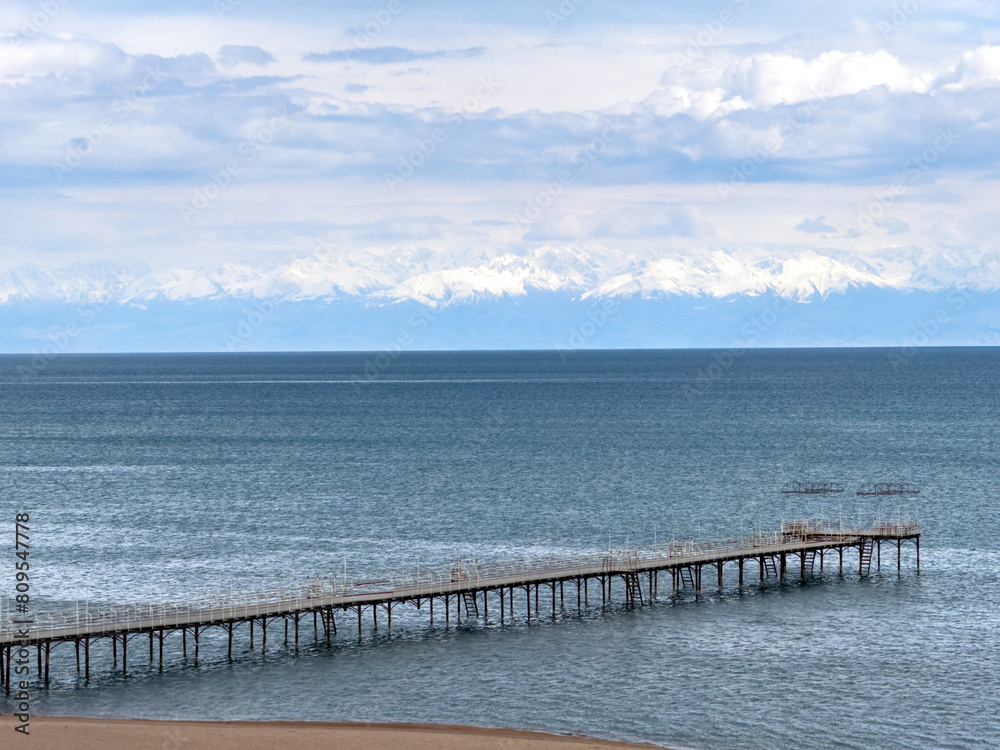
426, 277
725, 275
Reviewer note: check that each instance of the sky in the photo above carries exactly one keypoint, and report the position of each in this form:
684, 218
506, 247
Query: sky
184, 134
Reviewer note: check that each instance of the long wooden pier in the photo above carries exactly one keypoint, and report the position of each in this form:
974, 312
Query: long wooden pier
470, 585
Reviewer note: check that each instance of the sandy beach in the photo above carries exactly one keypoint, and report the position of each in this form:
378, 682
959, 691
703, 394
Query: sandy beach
57, 733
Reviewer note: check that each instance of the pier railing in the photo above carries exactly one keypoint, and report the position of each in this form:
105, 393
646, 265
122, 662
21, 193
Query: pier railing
459, 575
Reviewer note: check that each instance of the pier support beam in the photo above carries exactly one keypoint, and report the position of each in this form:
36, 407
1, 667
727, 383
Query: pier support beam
685, 569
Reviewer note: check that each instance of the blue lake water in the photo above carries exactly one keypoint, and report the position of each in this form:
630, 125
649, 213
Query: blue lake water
153, 478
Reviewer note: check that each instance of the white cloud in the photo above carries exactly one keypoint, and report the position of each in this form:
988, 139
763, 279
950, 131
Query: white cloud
977, 66
683, 130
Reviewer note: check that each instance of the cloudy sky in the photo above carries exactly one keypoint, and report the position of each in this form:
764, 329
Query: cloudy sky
192, 132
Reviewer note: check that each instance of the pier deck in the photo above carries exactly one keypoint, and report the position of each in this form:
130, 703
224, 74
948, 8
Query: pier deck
466, 584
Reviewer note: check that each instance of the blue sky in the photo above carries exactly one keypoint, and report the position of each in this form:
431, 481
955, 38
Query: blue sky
179, 134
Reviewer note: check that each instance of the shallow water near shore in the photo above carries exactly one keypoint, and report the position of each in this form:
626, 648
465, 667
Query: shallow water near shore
154, 478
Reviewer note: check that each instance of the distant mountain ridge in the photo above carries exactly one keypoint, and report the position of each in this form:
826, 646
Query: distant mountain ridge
420, 276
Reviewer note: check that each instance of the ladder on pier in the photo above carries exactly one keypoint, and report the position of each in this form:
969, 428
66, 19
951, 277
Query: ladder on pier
687, 577
810, 561
633, 589
770, 567
471, 604
867, 548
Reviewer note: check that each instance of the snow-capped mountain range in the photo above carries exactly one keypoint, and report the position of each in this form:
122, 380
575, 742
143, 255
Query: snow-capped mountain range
381, 278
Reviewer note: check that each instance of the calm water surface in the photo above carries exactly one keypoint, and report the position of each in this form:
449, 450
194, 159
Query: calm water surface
160, 478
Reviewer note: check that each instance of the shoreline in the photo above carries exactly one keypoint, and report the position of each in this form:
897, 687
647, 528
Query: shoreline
58, 732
